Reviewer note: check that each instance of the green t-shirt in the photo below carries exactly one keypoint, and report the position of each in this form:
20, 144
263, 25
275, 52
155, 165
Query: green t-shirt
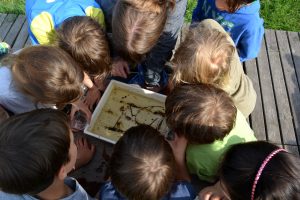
203, 160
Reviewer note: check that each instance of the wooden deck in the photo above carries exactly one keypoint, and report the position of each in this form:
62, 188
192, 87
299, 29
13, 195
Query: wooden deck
275, 75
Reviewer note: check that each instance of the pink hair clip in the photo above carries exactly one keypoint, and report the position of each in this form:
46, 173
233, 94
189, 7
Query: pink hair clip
265, 162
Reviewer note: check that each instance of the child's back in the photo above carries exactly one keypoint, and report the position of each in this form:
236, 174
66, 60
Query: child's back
142, 167
241, 20
208, 119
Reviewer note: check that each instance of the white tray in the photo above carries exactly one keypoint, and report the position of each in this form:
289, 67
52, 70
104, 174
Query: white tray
123, 106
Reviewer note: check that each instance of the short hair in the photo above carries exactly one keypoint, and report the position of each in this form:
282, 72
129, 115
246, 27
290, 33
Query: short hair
234, 5
137, 26
280, 179
142, 164
200, 112
33, 147
47, 74
84, 39
203, 57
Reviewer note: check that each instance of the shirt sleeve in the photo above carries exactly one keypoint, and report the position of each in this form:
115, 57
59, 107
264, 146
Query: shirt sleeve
250, 42
42, 27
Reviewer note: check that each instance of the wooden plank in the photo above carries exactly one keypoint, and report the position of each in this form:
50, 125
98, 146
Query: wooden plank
281, 100
28, 42
15, 29
292, 149
295, 49
269, 106
291, 82
6, 25
294, 41
257, 116
2, 17
21, 39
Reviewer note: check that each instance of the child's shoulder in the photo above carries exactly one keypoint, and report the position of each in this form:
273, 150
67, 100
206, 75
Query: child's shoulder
181, 190
79, 193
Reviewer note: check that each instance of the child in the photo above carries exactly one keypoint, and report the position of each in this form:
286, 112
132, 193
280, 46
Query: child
136, 29
37, 151
257, 170
38, 77
80, 34
208, 55
83, 38
240, 18
207, 120
142, 167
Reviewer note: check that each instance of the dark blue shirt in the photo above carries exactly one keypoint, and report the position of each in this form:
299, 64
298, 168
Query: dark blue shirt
180, 190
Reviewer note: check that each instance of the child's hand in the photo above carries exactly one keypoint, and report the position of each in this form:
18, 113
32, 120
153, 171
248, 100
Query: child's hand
214, 192
93, 96
120, 68
79, 105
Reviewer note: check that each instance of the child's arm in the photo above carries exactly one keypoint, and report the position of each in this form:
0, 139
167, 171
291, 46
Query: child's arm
93, 94
249, 45
178, 146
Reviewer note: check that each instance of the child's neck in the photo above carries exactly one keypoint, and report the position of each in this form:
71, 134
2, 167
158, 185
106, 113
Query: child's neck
57, 190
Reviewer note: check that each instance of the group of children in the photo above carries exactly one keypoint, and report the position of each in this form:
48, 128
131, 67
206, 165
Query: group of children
209, 100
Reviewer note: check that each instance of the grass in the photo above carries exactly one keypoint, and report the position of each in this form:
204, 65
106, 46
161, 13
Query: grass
277, 14
12, 6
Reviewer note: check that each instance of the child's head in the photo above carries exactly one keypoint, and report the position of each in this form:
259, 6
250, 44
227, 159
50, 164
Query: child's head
279, 179
35, 148
84, 39
201, 113
142, 164
48, 75
234, 5
137, 26
203, 57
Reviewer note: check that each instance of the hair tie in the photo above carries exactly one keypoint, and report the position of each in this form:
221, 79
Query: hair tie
265, 162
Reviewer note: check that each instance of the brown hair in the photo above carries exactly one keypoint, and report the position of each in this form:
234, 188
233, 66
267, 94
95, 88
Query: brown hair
137, 25
234, 5
142, 164
47, 74
203, 57
33, 147
84, 39
200, 112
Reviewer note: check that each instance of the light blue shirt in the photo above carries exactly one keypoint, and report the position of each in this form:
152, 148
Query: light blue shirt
78, 194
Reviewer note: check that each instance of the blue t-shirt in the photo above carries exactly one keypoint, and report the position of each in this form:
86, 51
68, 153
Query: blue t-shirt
181, 190
78, 194
44, 16
244, 25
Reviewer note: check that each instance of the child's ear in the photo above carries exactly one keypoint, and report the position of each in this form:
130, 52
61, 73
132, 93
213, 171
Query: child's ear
62, 173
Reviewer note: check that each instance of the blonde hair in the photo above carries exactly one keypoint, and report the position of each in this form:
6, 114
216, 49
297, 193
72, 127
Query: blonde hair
137, 26
203, 57
47, 74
